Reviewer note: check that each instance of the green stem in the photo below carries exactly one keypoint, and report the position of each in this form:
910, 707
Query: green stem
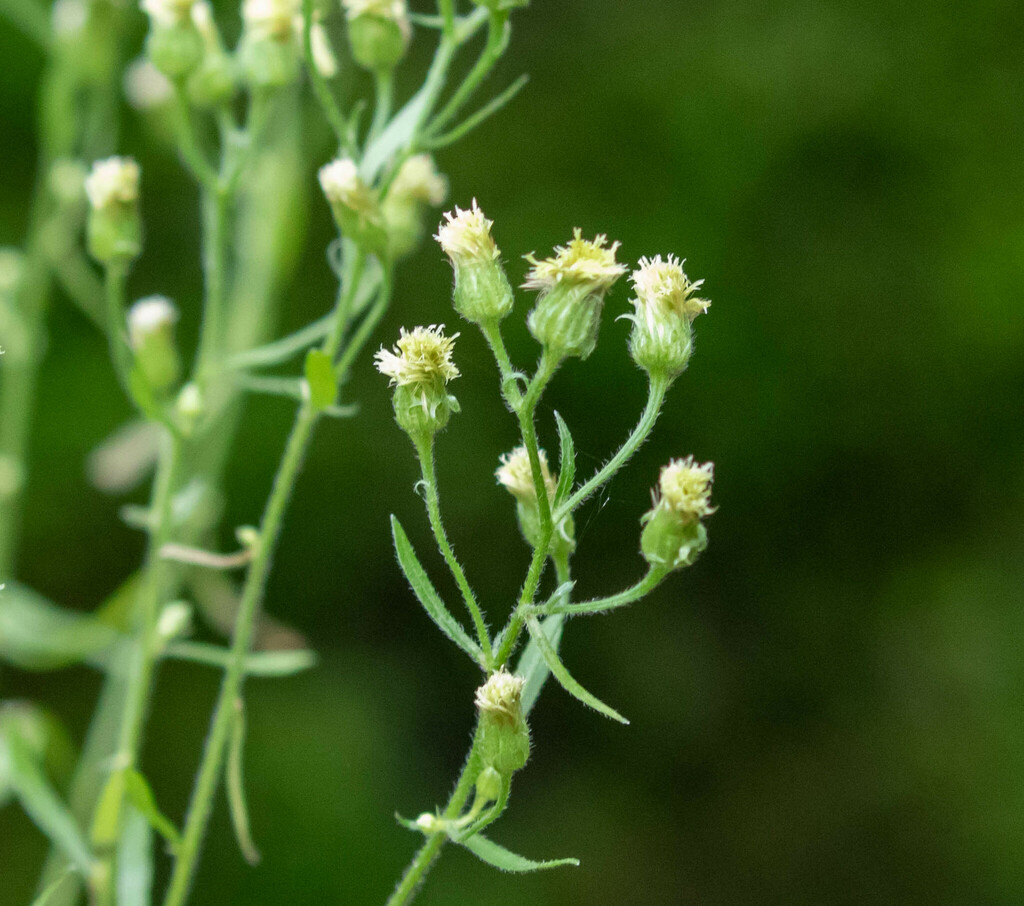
655, 399
509, 376
212, 763
188, 142
216, 223
326, 99
425, 451
630, 595
384, 82
431, 849
116, 276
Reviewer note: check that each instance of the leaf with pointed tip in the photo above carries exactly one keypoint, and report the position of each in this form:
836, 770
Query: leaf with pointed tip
567, 461
140, 794
408, 825
41, 802
490, 852
36, 634
258, 663
428, 596
564, 677
532, 666
320, 379
235, 783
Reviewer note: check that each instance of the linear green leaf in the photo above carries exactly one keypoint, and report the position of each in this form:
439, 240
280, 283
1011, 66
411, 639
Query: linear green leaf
563, 676
46, 897
259, 663
235, 782
42, 804
532, 666
490, 852
36, 634
567, 461
320, 379
284, 349
140, 794
135, 860
428, 596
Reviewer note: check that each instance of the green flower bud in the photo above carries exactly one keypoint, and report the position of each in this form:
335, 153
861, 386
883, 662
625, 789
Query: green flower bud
665, 306
151, 338
488, 785
379, 32
176, 50
354, 204
420, 367
504, 735
114, 228
189, 408
416, 185
482, 291
572, 286
269, 49
515, 474
673, 534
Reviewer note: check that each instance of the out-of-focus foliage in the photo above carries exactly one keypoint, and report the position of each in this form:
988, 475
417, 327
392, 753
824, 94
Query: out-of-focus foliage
828, 706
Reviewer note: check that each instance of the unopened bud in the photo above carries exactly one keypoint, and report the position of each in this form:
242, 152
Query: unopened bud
213, 81
173, 44
515, 474
416, 185
114, 229
420, 367
429, 824
673, 534
379, 32
572, 285
488, 785
175, 621
189, 407
482, 291
504, 735
269, 48
354, 204
151, 324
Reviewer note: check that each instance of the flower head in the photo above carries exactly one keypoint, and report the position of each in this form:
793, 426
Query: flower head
394, 10
273, 19
465, 235
663, 285
501, 694
111, 181
685, 488
421, 356
149, 316
516, 475
145, 86
418, 180
581, 261
167, 13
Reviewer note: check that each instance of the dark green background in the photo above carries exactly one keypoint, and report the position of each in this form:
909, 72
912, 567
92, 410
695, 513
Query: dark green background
827, 707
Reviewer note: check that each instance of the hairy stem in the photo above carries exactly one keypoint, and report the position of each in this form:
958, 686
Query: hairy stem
645, 586
425, 452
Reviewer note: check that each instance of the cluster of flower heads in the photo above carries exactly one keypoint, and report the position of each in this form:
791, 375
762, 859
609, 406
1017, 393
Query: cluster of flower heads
572, 284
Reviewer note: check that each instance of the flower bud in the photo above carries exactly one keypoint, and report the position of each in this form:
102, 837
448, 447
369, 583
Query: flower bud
145, 86
665, 306
175, 621
379, 32
420, 367
572, 285
416, 185
213, 82
515, 474
488, 785
269, 49
151, 338
114, 229
504, 735
673, 534
189, 407
354, 204
482, 291
173, 43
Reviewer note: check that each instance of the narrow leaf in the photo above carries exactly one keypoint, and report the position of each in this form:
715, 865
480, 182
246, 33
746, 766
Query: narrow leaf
284, 349
480, 116
258, 663
532, 666
235, 782
36, 634
567, 461
271, 386
140, 795
50, 891
428, 596
408, 825
563, 676
320, 379
135, 860
43, 805
490, 852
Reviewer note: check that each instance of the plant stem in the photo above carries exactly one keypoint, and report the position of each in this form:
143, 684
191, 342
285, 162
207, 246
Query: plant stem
212, 763
384, 82
655, 398
116, 276
425, 452
216, 204
509, 386
634, 593
525, 412
431, 849
328, 103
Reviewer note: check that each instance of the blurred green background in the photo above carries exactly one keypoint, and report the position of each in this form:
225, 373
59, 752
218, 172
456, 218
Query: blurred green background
828, 707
